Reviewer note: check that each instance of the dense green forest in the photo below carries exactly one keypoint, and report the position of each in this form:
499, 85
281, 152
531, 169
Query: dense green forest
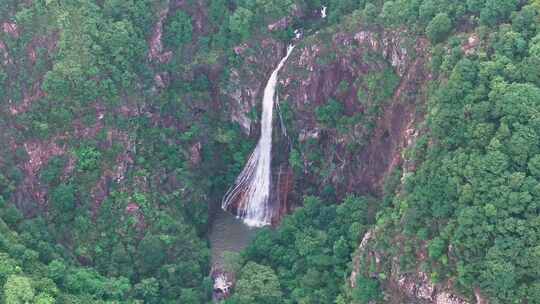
115, 149
473, 199
306, 258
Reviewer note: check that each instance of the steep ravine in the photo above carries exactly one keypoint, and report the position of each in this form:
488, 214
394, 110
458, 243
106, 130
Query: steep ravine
374, 80
314, 76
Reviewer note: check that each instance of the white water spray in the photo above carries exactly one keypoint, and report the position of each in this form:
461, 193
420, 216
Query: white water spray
297, 34
251, 191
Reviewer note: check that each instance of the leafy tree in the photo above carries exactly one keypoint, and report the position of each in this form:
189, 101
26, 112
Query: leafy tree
496, 11
218, 12
534, 166
63, 198
44, 298
439, 27
367, 290
53, 171
232, 262
190, 296
178, 31
240, 22
257, 284
87, 158
57, 270
11, 215
148, 290
152, 251
390, 13
436, 248
8, 267
85, 281
18, 290
311, 249
370, 13
330, 113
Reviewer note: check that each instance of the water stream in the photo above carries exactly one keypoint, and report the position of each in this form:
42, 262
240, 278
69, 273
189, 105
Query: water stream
251, 192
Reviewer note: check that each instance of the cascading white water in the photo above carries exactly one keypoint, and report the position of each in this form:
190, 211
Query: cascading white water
251, 191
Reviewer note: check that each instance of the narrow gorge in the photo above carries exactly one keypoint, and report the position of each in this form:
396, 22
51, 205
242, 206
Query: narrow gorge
142, 159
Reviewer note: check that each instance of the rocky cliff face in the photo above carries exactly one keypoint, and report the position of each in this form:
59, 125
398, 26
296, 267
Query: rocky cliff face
402, 286
335, 67
247, 80
328, 67
357, 156
366, 168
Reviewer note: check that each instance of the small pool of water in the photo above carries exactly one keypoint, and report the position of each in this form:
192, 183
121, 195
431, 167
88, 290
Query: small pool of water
228, 234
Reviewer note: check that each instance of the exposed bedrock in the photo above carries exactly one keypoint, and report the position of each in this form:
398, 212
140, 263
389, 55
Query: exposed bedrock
313, 75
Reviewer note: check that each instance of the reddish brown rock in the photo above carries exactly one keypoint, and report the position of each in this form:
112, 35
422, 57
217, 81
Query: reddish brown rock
31, 195
155, 43
401, 287
365, 171
5, 54
48, 42
279, 25
283, 190
132, 208
308, 81
480, 299
471, 45
195, 154
11, 29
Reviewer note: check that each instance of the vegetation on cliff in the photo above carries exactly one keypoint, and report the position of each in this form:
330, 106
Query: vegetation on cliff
470, 200
117, 141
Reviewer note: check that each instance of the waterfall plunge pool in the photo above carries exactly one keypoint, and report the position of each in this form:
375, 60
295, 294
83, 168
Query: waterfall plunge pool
228, 233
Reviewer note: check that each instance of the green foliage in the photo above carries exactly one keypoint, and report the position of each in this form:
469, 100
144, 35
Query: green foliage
127, 202
311, 249
370, 13
18, 290
63, 198
497, 11
218, 11
330, 113
295, 160
87, 158
3, 78
53, 171
380, 85
240, 22
92, 64
257, 284
57, 270
148, 290
11, 215
476, 189
178, 30
152, 252
232, 262
367, 290
439, 27
340, 8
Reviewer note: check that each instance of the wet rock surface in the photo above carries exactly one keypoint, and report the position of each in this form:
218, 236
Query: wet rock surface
313, 76
246, 83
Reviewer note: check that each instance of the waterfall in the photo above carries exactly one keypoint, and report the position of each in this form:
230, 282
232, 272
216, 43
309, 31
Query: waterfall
251, 191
